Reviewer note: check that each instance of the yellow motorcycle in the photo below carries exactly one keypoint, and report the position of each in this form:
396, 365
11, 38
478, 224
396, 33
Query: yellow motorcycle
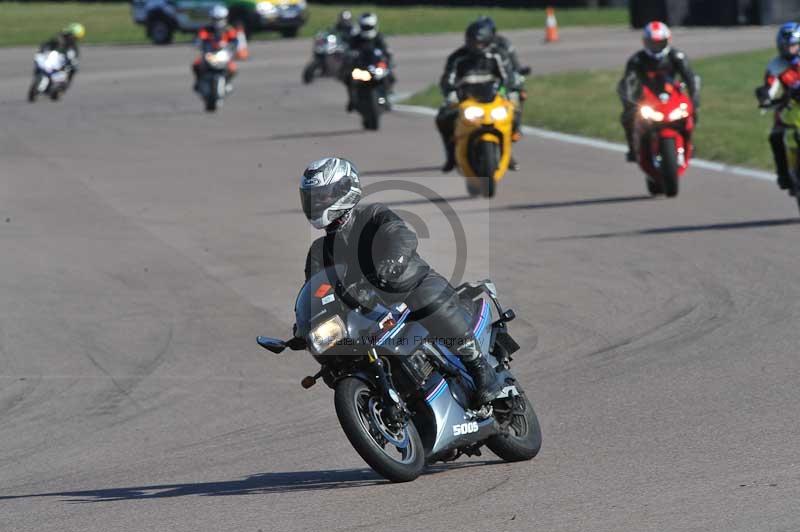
483, 133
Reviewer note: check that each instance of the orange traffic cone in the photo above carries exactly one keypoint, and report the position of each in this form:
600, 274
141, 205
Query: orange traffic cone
242, 51
551, 26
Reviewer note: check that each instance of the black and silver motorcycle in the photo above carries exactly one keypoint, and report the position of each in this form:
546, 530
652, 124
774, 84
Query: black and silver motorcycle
403, 401
212, 84
370, 85
328, 56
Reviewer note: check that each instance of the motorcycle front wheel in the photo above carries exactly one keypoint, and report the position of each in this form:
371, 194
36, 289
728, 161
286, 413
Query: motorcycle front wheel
369, 107
309, 72
33, 91
669, 166
395, 454
488, 159
524, 438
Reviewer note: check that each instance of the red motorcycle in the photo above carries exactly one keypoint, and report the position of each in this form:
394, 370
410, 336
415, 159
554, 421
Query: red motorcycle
663, 132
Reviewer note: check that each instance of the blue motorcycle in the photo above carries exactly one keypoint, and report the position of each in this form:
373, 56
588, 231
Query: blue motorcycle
403, 400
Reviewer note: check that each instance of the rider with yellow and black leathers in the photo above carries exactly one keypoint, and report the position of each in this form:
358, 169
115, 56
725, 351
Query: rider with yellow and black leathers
376, 245
367, 38
477, 55
781, 81
656, 60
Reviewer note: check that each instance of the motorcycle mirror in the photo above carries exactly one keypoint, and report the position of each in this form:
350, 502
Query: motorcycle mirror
271, 344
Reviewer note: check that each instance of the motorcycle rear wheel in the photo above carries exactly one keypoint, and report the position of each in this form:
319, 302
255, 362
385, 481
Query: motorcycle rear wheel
669, 166
524, 439
355, 408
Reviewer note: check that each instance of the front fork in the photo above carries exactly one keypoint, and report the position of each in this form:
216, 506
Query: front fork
394, 406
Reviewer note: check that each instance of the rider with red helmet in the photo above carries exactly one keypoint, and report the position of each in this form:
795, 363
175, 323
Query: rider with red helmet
780, 80
657, 59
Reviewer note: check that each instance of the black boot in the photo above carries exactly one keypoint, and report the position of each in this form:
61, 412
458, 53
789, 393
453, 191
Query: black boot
487, 387
450, 153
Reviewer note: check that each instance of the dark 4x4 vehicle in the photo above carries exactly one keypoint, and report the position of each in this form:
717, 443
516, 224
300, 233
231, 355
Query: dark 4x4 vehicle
163, 18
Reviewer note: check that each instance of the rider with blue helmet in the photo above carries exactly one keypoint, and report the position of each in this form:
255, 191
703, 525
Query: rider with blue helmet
781, 79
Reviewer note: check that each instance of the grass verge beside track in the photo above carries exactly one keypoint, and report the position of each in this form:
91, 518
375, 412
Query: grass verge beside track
31, 23
731, 130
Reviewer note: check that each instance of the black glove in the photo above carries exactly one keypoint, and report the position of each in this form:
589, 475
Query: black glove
387, 270
762, 95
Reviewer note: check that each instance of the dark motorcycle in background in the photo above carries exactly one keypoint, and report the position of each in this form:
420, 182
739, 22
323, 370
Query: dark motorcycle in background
370, 86
329, 52
403, 402
50, 75
212, 83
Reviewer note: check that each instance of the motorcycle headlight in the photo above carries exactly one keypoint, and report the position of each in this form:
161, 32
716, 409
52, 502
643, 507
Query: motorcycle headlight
361, 75
265, 9
325, 335
648, 113
473, 113
680, 113
499, 113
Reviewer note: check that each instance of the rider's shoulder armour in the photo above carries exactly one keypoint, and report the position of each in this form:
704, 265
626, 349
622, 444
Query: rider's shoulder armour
778, 66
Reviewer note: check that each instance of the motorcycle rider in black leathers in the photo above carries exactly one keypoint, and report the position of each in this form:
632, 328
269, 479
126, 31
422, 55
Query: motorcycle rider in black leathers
504, 45
375, 244
367, 38
656, 60
477, 55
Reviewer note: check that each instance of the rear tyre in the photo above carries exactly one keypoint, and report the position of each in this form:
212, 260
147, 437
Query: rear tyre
524, 439
355, 407
472, 190
55, 95
488, 159
369, 107
669, 166
160, 30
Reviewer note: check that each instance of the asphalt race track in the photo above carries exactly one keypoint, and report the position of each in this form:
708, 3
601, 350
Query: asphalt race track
145, 244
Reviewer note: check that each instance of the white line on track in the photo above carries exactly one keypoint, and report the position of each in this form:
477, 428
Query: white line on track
608, 146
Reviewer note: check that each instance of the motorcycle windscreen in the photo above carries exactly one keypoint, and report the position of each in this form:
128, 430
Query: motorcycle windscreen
315, 297
479, 86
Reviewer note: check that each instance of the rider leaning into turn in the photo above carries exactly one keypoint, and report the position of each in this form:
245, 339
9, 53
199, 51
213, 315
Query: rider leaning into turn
66, 43
781, 79
477, 55
374, 244
367, 38
657, 58
215, 36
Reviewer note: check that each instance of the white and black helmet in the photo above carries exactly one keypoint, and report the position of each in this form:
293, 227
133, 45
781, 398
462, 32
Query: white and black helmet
368, 25
329, 189
218, 15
